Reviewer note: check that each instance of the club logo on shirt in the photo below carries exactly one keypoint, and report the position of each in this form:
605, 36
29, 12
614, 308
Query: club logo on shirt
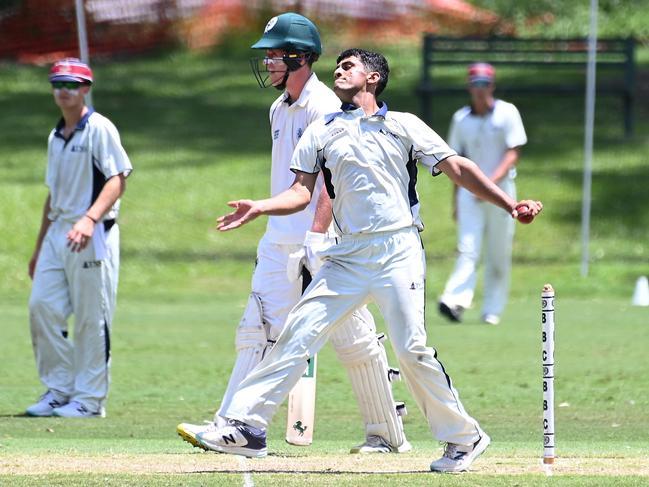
90, 264
79, 148
276, 134
387, 132
336, 131
299, 132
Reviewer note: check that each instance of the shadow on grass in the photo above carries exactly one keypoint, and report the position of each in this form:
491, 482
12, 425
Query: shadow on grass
311, 472
179, 110
180, 255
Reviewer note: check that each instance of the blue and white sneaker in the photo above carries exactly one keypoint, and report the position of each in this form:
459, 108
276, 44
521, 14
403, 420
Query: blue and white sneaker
74, 409
45, 405
458, 458
236, 438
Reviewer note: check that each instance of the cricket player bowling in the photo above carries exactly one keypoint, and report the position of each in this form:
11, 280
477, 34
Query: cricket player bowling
369, 157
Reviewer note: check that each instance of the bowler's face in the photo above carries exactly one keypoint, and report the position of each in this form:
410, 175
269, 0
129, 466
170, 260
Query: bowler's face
350, 77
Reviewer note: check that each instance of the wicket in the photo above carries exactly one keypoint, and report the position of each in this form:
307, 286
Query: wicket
547, 359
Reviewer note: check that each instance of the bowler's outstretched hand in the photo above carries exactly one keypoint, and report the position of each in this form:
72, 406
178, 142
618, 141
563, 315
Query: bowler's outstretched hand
245, 211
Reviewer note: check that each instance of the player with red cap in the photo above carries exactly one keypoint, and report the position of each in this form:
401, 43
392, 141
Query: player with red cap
71, 70
75, 264
490, 132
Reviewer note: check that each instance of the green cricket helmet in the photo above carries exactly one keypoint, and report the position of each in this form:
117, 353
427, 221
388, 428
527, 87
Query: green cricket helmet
291, 32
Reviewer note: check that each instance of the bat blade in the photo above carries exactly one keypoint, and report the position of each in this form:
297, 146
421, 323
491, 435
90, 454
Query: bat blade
300, 421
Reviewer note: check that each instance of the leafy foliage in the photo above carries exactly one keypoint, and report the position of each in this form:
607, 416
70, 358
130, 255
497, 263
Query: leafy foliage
558, 18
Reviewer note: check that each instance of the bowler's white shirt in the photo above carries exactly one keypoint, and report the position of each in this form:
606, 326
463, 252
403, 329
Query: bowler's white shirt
485, 138
78, 167
369, 166
288, 123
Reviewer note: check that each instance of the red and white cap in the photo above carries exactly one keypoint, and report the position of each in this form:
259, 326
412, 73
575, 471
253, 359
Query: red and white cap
71, 69
481, 73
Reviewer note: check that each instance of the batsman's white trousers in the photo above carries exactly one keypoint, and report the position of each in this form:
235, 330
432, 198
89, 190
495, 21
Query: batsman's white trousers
66, 283
269, 281
478, 220
389, 269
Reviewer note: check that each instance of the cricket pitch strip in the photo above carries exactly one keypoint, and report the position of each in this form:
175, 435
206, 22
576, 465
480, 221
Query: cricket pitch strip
195, 462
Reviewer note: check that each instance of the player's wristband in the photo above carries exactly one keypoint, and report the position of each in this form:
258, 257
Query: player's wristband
93, 220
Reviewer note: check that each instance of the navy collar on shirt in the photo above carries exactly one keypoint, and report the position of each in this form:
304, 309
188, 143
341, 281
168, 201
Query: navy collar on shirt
350, 107
80, 125
488, 112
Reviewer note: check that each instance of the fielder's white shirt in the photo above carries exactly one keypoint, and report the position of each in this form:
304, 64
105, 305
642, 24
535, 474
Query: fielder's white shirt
369, 163
485, 138
288, 123
77, 168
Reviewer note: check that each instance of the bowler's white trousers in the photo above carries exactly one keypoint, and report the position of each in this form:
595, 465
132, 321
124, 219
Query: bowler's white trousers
478, 220
389, 269
66, 283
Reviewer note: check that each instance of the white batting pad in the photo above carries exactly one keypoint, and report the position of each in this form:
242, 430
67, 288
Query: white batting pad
359, 349
251, 344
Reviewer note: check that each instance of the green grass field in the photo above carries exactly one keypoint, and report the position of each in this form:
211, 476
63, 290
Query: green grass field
200, 137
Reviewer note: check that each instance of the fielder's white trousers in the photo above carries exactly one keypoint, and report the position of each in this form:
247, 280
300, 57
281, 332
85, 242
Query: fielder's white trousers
66, 283
389, 269
479, 221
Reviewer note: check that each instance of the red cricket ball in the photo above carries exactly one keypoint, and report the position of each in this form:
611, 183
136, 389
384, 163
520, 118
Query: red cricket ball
523, 216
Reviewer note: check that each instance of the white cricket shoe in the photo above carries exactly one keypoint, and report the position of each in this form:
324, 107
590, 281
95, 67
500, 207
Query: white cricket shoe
236, 438
458, 458
74, 409
378, 444
188, 432
491, 319
45, 405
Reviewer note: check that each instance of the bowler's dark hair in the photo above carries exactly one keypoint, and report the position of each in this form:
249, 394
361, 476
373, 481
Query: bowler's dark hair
373, 61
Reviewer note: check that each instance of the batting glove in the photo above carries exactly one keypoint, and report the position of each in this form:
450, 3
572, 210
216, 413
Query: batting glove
294, 264
314, 244
308, 255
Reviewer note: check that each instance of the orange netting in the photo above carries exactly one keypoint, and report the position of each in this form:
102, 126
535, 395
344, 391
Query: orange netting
39, 31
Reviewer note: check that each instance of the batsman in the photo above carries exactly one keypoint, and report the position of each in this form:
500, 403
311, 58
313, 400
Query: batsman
288, 253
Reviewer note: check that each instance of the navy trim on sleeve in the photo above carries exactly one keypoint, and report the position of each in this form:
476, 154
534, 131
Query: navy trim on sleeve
326, 174
411, 166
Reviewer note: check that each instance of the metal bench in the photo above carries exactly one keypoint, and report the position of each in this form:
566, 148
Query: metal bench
615, 66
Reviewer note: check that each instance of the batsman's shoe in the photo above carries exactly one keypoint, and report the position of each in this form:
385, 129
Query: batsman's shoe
458, 458
491, 319
378, 444
452, 313
188, 432
236, 438
45, 405
75, 409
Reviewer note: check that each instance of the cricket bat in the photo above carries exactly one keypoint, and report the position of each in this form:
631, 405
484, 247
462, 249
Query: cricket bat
301, 408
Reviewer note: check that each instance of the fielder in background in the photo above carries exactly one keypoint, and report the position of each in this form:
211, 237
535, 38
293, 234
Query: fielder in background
489, 132
292, 44
75, 264
368, 156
